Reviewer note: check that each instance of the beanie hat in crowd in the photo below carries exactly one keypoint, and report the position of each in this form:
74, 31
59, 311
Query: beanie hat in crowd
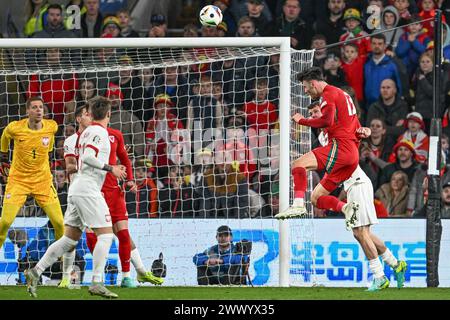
417, 117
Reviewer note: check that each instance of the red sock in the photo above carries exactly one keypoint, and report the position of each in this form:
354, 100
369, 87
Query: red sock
330, 203
91, 240
300, 181
124, 249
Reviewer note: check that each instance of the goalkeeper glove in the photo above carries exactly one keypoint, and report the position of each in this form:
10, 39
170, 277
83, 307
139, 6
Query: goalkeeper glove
4, 168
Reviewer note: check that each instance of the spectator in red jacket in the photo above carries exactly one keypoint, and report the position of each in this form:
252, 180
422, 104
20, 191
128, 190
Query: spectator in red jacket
158, 133
353, 66
55, 89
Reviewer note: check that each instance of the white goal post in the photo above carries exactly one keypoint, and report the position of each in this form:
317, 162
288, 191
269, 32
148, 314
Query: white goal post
281, 45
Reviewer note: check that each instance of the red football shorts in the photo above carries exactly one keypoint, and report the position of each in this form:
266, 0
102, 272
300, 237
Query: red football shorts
339, 159
115, 200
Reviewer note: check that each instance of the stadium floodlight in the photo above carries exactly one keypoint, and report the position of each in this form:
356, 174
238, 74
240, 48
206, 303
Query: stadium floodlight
104, 61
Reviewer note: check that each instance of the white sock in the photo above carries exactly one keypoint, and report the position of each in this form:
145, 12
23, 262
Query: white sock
389, 258
68, 259
137, 261
376, 268
298, 202
126, 274
56, 250
100, 254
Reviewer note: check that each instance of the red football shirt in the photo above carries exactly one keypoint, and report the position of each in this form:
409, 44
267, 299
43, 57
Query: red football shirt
338, 115
117, 151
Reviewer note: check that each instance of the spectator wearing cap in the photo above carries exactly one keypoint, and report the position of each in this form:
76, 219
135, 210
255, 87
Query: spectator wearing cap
214, 265
230, 21
126, 122
289, 24
333, 72
132, 89
222, 29
390, 108
55, 25
405, 154
422, 84
389, 21
158, 133
412, 44
379, 67
353, 67
353, 24
158, 26
255, 9
394, 195
333, 26
125, 27
91, 20
415, 133
111, 25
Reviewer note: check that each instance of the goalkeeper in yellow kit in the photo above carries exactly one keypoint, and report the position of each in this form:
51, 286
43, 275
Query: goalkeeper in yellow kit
29, 174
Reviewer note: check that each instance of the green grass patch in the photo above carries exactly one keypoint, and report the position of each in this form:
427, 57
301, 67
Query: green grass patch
231, 293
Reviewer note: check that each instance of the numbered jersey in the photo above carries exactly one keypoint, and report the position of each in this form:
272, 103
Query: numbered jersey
89, 180
345, 122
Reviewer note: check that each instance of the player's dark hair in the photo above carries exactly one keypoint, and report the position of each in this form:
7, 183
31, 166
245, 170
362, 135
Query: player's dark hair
313, 73
313, 104
379, 36
99, 107
55, 6
80, 109
33, 98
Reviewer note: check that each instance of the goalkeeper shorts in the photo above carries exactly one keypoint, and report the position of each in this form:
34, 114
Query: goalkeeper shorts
16, 193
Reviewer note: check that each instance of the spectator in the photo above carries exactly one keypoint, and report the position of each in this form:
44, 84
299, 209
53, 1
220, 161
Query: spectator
69, 129
423, 86
222, 29
446, 122
416, 195
445, 195
36, 16
132, 89
353, 21
222, 263
208, 31
111, 25
58, 161
375, 150
319, 42
55, 89
54, 28
144, 202
61, 186
412, 44
428, 11
112, 6
255, 12
394, 195
445, 147
148, 79
158, 133
176, 198
238, 9
92, 20
333, 26
378, 68
126, 122
228, 18
333, 73
246, 27
223, 193
289, 24
226, 106
179, 147
159, 20
415, 133
190, 30
404, 151
390, 108
85, 92
353, 68
402, 7
389, 21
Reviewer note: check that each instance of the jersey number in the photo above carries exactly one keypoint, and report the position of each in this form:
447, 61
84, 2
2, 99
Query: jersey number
350, 106
34, 153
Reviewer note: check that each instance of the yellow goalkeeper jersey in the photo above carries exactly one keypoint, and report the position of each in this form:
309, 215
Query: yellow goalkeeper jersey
30, 163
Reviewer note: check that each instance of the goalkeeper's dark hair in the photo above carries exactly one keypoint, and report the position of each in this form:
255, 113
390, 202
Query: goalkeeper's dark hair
313, 73
79, 110
33, 98
99, 107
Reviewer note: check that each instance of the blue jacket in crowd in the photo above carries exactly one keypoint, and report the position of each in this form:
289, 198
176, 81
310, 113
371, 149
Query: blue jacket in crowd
410, 52
374, 74
229, 258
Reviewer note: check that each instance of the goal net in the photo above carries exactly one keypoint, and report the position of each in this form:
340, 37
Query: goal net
204, 125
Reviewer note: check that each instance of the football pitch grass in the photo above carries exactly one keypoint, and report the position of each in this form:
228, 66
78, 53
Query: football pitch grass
231, 293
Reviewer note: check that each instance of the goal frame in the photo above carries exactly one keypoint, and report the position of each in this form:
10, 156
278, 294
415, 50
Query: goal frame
284, 45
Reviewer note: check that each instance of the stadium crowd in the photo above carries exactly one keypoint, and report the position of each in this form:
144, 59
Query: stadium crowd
162, 112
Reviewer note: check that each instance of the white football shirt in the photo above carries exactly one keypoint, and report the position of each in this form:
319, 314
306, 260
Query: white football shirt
71, 150
89, 180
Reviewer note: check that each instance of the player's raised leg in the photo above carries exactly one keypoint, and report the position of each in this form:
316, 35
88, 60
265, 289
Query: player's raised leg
399, 267
142, 274
299, 169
